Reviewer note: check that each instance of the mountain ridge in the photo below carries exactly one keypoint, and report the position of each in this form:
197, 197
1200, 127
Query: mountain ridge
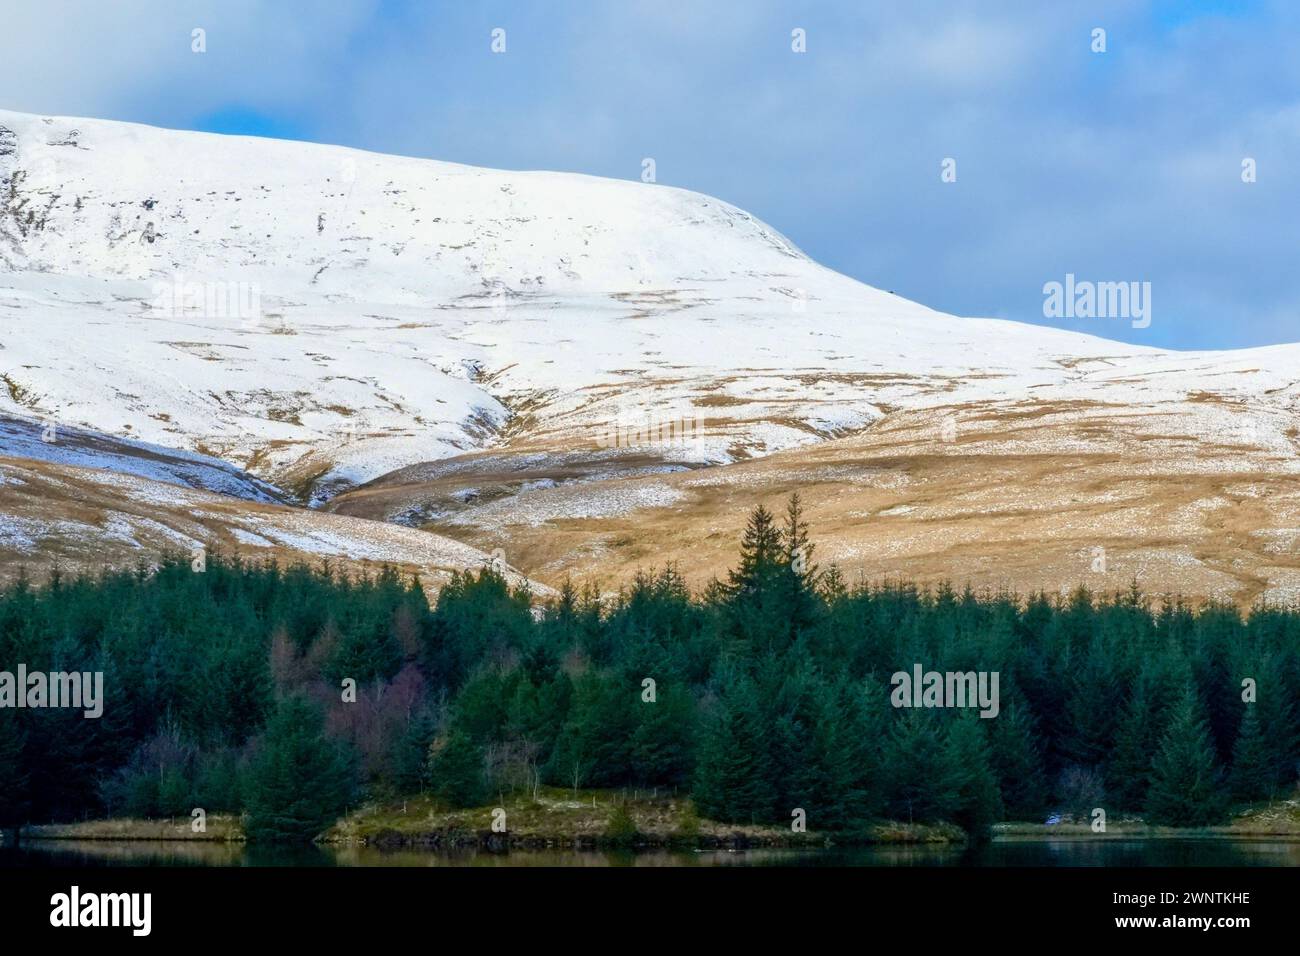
467, 313
496, 355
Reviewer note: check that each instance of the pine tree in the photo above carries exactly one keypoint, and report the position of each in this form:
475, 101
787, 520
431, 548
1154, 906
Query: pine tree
760, 553
14, 779
732, 779
1163, 677
1135, 746
1278, 730
924, 781
978, 799
300, 780
596, 741
217, 780
757, 590
478, 614
801, 574
851, 724
1016, 754
661, 743
569, 765
1185, 779
456, 772
1093, 703
410, 754
1252, 776
789, 689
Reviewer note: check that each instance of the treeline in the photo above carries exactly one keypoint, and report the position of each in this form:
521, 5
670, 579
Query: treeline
289, 693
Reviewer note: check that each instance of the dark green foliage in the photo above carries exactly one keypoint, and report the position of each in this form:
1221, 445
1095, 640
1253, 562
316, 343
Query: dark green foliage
1135, 746
1092, 704
802, 604
216, 783
479, 617
978, 796
1253, 775
771, 695
410, 757
598, 734
456, 771
156, 780
756, 593
482, 706
14, 779
622, 829
1186, 782
924, 779
299, 780
1141, 727
733, 770
822, 743
1264, 754
1016, 757
661, 751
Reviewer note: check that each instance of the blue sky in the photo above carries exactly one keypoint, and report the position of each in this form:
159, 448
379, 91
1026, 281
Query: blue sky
1115, 166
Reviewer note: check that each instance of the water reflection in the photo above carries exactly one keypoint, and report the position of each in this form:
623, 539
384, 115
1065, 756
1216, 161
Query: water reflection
1004, 851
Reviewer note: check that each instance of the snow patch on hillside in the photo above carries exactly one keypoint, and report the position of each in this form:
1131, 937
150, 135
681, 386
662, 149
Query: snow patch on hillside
404, 311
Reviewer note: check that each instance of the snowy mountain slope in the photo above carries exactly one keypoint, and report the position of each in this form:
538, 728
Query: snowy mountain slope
1195, 498
87, 518
66, 445
578, 371
401, 311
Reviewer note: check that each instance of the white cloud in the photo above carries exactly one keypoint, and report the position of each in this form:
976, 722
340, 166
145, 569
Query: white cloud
1122, 165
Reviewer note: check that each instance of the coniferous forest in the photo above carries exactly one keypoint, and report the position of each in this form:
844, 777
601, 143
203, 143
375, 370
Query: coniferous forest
769, 691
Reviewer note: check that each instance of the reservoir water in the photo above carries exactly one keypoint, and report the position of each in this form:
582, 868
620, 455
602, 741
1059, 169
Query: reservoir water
1000, 852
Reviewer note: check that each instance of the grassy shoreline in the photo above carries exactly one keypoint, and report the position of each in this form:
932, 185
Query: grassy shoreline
608, 819
595, 820
221, 828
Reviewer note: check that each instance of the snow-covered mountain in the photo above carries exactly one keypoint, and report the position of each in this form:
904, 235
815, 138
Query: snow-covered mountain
491, 349
321, 316
81, 448
84, 518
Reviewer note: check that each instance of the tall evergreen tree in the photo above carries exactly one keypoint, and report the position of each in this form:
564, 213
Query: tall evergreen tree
978, 799
1186, 781
14, 779
1016, 755
300, 780
1279, 730
456, 772
1095, 694
599, 732
410, 752
1253, 775
851, 722
924, 779
732, 781
801, 573
661, 743
1135, 746
757, 588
